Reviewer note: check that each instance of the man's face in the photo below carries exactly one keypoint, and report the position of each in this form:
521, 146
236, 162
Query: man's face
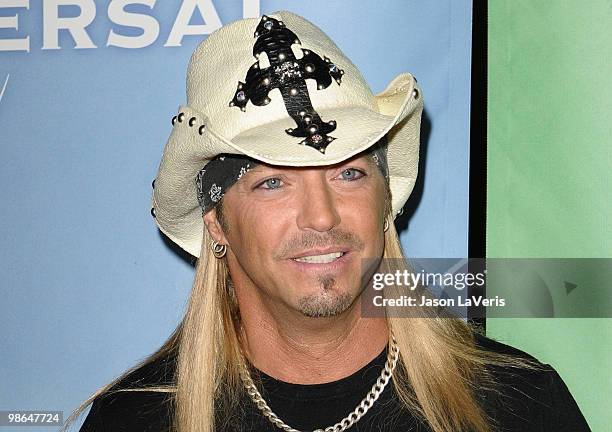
297, 235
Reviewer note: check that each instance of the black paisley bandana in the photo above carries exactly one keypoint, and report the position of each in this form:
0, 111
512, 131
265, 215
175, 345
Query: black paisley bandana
224, 170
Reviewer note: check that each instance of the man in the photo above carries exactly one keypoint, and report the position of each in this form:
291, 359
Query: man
283, 175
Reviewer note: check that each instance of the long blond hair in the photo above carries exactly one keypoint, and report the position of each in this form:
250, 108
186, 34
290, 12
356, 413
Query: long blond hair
438, 376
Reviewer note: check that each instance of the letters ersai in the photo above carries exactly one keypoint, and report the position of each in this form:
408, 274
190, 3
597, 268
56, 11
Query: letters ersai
116, 11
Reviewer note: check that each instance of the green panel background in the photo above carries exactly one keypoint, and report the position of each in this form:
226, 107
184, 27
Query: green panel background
549, 164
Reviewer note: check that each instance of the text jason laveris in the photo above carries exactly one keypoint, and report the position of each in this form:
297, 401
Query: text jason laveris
408, 301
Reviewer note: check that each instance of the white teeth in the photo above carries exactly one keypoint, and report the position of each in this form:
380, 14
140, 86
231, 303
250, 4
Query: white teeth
320, 259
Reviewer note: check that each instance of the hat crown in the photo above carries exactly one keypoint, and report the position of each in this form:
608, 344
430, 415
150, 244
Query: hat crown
220, 65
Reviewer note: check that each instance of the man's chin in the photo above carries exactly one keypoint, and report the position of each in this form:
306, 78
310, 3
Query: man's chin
325, 304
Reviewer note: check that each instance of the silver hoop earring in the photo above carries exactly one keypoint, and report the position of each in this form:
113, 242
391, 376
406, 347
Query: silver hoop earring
386, 226
219, 250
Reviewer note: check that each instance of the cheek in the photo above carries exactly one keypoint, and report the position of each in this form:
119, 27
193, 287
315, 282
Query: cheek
257, 231
364, 214
362, 209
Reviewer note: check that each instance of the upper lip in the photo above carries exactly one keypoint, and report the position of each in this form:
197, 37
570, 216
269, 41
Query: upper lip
320, 251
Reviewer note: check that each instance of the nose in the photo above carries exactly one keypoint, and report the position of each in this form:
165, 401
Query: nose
317, 210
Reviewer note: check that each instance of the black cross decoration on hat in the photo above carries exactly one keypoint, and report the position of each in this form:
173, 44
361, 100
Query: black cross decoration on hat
289, 75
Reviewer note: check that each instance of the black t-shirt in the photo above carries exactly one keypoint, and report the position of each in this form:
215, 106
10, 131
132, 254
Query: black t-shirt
529, 401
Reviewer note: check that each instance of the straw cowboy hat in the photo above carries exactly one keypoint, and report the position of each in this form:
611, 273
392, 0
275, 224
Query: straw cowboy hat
278, 90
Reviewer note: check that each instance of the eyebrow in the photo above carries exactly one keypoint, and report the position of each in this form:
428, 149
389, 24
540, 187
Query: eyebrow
369, 160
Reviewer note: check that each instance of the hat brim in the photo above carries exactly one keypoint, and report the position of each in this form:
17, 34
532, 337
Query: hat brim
193, 143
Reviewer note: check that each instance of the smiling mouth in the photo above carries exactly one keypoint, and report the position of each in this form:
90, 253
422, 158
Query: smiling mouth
320, 259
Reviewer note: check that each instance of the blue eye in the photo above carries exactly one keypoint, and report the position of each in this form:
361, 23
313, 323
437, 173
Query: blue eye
351, 174
271, 183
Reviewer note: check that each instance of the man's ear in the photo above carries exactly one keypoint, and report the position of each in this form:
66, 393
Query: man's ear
214, 227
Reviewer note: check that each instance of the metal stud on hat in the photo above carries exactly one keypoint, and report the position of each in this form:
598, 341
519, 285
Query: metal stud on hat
308, 105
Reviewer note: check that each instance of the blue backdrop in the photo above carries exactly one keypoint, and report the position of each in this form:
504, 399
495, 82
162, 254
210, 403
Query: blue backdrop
87, 92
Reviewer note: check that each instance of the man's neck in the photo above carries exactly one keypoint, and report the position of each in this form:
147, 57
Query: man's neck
298, 349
